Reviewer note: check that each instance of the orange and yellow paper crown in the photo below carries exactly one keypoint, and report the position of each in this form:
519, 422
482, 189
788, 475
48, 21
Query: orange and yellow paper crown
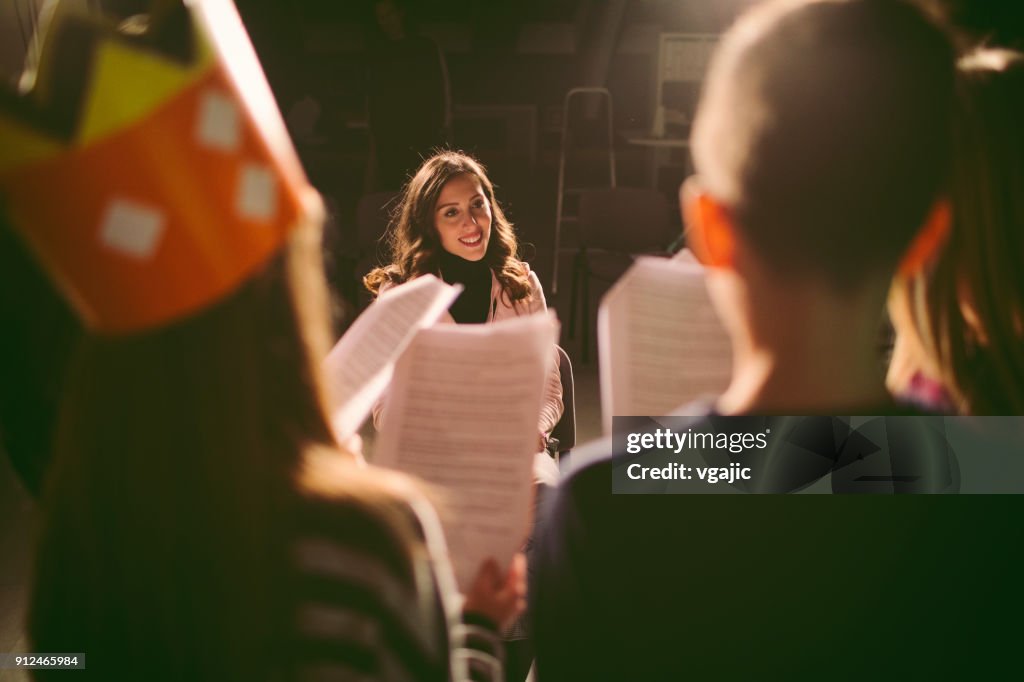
150, 182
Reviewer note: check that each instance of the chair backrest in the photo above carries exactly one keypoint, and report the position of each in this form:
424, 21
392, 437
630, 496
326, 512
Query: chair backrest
625, 219
373, 213
565, 429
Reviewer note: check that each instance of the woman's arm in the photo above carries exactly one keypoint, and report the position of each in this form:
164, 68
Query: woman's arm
373, 590
378, 407
551, 410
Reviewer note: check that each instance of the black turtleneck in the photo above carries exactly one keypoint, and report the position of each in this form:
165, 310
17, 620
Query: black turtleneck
474, 303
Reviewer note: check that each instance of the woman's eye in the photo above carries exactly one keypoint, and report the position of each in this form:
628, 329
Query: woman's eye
450, 213
478, 204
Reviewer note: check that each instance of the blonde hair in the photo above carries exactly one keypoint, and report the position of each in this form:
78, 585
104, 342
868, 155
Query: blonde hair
968, 310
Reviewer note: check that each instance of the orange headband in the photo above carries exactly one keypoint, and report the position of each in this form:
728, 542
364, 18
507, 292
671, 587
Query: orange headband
177, 182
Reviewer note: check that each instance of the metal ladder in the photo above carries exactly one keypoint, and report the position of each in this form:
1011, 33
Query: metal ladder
562, 189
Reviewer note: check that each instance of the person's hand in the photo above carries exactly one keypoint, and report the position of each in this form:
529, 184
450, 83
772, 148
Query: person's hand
542, 442
498, 596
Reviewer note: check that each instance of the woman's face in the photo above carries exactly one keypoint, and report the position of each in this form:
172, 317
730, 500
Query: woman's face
462, 217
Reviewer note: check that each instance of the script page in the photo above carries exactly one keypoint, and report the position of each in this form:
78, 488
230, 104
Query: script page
660, 341
462, 414
359, 367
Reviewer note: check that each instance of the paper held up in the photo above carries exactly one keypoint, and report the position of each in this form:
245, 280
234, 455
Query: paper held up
359, 367
661, 343
462, 414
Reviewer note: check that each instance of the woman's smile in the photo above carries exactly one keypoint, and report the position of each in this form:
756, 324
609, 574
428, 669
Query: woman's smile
462, 217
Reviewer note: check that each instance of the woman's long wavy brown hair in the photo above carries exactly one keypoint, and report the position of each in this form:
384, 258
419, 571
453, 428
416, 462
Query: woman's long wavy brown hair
978, 275
415, 244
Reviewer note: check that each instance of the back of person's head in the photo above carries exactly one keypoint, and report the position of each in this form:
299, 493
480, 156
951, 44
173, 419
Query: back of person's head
415, 242
166, 499
823, 129
969, 309
195, 398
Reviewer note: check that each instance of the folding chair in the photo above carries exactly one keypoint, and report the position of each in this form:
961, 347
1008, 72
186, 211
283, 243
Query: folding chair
563, 436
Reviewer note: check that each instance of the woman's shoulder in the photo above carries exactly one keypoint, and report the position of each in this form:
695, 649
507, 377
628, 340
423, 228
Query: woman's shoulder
361, 546
536, 289
531, 275
526, 294
526, 272
387, 285
331, 486
391, 283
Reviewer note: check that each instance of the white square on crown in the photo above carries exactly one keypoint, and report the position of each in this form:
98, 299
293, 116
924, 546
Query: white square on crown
218, 122
131, 228
257, 192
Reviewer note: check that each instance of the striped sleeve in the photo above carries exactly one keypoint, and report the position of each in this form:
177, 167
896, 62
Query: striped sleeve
359, 610
370, 605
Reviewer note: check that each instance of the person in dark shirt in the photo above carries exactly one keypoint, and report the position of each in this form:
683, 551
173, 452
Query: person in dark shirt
821, 147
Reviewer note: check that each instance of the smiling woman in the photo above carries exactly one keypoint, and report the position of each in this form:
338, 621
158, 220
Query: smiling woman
448, 200
463, 218
448, 223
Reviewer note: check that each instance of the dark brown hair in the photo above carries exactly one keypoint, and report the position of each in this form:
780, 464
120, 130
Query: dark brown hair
978, 276
824, 127
166, 513
415, 243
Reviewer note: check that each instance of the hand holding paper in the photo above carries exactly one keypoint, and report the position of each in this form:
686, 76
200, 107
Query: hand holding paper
462, 414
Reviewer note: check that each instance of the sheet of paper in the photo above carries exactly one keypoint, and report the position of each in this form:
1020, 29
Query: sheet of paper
462, 414
359, 367
661, 343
